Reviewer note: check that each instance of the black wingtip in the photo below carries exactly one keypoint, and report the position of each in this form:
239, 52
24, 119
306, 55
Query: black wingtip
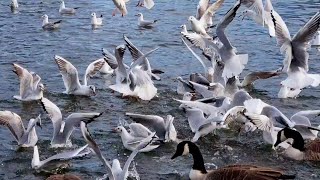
284, 176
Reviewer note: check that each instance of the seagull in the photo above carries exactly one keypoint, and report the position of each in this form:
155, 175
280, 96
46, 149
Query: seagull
62, 130
164, 128
25, 137
260, 15
14, 5
46, 25
30, 86
71, 79
37, 164
131, 81
201, 9
200, 26
96, 21
136, 54
144, 23
137, 134
146, 3
115, 171
233, 63
295, 63
200, 125
120, 6
64, 10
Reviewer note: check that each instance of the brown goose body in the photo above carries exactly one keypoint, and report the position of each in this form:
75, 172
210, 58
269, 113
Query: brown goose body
234, 172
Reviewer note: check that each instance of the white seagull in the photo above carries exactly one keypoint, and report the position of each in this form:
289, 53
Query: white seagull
144, 23
46, 25
30, 86
62, 130
38, 165
96, 21
25, 137
137, 134
164, 128
71, 78
120, 6
296, 59
115, 172
64, 10
14, 5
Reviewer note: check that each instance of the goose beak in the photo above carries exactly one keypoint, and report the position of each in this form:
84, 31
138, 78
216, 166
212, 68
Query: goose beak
174, 156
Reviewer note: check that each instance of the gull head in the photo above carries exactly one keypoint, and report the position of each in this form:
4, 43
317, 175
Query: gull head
41, 87
118, 129
44, 16
93, 14
92, 90
139, 15
191, 18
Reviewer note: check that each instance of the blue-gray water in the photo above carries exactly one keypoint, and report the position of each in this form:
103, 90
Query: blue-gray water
23, 41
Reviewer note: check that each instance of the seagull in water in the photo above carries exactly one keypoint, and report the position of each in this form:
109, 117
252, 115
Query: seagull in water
145, 23
30, 86
130, 81
25, 137
14, 5
164, 128
115, 171
64, 10
120, 6
46, 25
146, 3
62, 130
295, 63
71, 79
134, 137
38, 165
96, 21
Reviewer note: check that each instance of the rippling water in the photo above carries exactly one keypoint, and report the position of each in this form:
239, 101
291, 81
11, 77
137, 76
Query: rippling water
24, 42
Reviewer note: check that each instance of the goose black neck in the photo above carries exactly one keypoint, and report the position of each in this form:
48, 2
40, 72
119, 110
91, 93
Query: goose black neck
298, 141
198, 163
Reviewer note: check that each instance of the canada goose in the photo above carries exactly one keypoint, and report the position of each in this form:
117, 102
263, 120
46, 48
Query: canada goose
298, 149
234, 172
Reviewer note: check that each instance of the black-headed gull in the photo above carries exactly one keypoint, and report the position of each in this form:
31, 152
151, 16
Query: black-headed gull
120, 6
64, 10
145, 23
96, 21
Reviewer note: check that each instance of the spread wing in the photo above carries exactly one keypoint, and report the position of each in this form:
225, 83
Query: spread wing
13, 122
92, 69
26, 80
69, 73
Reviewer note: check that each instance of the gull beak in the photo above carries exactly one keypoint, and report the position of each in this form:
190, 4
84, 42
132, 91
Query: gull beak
114, 130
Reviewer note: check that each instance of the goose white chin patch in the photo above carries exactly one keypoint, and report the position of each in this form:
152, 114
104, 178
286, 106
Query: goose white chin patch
185, 150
